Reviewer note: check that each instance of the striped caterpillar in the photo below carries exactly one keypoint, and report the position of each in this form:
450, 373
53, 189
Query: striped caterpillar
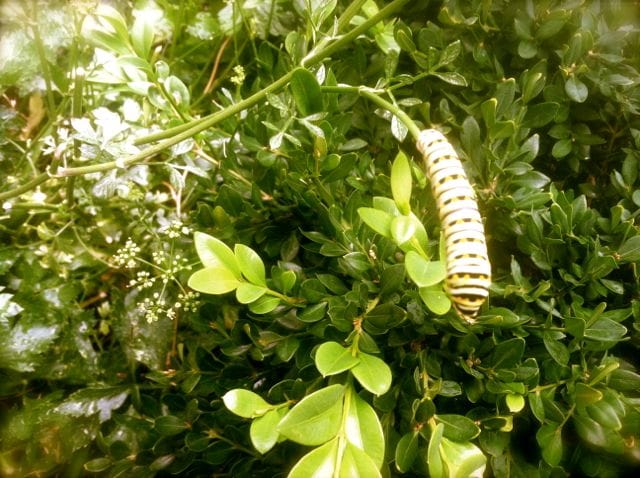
468, 268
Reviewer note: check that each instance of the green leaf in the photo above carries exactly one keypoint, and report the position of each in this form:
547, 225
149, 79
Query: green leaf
23, 348
540, 114
605, 414
537, 406
458, 427
549, 437
419, 241
372, 373
323, 459
590, 430
605, 330
401, 183
178, 90
357, 463
576, 90
586, 395
630, 250
462, 460
331, 358
556, 349
379, 221
286, 349
245, 403
306, 92
398, 129
247, 293
101, 401
501, 317
215, 253
142, 36
250, 265
97, 465
507, 353
385, 316
319, 11
532, 180
450, 53
436, 299
404, 38
214, 280
515, 402
562, 147
533, 81
624, 380
527, 49
170, 425
423, 272
115, 20
264, 432
451, 77
264, 304
406, 451
316, 419
402, 229
363, 429
434, 458
313, 313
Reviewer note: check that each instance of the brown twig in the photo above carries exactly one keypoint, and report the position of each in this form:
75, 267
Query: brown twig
216, 64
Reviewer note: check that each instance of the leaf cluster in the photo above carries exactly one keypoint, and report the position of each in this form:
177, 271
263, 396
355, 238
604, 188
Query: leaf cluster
261, 153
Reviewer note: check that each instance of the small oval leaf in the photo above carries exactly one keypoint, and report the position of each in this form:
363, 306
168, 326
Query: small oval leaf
373, 374
316, 419
332, 358
250, 264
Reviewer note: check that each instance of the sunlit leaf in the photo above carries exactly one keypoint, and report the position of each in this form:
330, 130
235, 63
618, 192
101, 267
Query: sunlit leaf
247, 293
215, 253
245, 403
214, 280
263, 432
364, 430
379, 221
319, 462
436, 299
250, 265
423, 272
372, 373
316, 418
332, 358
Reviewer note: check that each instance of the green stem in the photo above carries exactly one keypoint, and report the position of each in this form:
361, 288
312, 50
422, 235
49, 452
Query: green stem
349, 13
195, 127
316, 57
35, 205
401, 115
285, 298
37, 181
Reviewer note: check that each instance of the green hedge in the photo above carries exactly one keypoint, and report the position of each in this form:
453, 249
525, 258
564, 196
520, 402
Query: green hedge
221, 256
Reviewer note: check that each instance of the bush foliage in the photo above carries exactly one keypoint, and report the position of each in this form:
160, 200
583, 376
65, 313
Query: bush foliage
221, 257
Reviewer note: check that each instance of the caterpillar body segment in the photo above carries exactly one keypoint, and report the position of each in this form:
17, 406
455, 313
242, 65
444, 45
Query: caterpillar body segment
468, 268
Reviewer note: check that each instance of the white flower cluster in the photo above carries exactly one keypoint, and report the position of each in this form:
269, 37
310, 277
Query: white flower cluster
164, 267
175, 229
155, 307
143, 280
126, 256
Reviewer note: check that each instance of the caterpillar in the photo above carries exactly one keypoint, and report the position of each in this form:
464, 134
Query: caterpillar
468, 268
